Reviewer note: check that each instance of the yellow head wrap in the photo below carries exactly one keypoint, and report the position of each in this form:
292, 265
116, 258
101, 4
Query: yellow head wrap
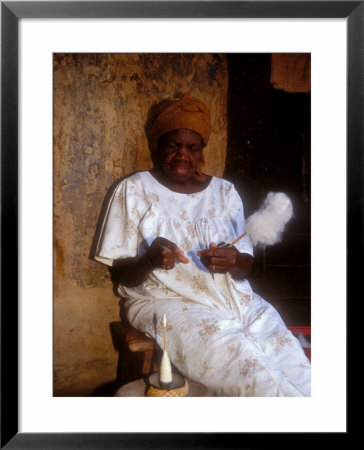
186, 112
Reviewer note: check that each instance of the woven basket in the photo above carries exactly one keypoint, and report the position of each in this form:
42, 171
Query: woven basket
180, 391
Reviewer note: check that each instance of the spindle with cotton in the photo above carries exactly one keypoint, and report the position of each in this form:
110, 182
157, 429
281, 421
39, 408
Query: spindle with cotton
165, 373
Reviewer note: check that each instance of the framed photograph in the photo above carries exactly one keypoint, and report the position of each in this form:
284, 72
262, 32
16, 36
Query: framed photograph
68, 69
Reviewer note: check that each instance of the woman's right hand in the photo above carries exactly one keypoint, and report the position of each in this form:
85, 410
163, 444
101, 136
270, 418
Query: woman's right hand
163, 253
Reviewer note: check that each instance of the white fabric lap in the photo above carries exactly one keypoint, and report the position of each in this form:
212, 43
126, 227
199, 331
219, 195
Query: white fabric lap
218, 349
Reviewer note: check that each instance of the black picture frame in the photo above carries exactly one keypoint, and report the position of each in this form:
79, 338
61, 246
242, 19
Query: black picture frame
11, 12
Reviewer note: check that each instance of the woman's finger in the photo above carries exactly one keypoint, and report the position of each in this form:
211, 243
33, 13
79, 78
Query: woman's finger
183, 259
204, 251
218, 260
218, 268
174, 252
179, 254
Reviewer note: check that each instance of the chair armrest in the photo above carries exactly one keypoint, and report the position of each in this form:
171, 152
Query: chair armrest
134, 339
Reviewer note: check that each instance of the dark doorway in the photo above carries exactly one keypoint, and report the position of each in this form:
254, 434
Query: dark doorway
269, 150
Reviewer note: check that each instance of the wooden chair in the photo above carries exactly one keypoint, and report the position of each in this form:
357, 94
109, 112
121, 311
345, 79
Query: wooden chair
137, 352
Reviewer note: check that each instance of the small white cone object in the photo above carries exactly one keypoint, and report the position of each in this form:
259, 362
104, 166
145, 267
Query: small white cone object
165, 374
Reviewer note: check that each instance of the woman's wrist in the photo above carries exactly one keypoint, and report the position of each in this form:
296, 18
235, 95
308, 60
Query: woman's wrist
132, 271
148, 261
243, 266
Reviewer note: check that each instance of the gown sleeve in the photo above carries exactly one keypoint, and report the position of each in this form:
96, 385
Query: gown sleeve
235, 206
119, 235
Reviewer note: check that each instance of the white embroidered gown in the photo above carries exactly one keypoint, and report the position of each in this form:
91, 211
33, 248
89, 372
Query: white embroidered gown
219, 331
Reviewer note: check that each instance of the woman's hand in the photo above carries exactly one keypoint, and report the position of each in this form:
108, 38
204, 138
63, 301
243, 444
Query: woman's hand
223, 259
133, 271
218, 259
163, 253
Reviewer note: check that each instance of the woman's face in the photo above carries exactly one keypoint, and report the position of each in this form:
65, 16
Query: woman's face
179, 154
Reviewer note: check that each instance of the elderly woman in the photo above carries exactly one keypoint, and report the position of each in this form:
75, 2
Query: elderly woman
161, 235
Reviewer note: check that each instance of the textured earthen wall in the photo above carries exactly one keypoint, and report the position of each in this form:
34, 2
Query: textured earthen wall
101, 103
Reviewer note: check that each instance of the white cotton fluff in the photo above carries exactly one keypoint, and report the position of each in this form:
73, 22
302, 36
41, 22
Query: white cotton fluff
265, 226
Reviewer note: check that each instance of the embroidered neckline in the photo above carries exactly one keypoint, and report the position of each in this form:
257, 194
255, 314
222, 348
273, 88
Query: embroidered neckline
192, 195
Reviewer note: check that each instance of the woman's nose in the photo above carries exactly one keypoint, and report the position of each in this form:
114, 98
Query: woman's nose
183, 152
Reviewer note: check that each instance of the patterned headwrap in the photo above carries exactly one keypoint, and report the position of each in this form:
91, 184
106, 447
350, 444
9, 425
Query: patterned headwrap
186, 112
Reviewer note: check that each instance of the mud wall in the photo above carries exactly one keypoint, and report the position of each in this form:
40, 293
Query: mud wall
101, 103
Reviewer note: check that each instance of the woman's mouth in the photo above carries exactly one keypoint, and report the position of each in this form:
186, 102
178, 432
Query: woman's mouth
180, 168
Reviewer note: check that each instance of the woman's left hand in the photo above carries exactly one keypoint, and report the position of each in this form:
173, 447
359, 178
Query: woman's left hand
223, 259
218, 259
